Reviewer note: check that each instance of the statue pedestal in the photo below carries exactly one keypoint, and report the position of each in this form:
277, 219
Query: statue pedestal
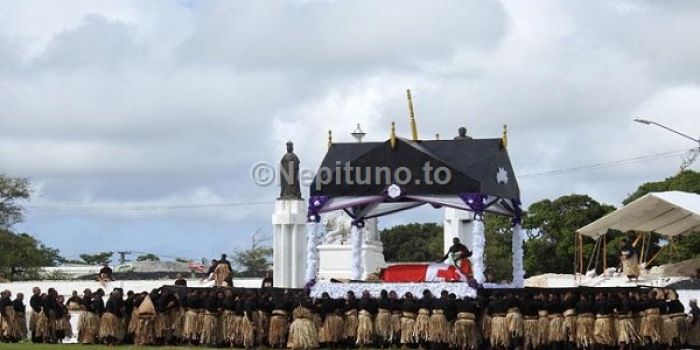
335, 260
289, 243
460, 224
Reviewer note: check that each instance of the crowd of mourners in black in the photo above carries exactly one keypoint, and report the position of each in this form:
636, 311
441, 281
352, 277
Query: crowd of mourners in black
598, 319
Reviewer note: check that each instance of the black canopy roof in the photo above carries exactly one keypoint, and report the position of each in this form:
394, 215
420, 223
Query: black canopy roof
475, 166
353, 171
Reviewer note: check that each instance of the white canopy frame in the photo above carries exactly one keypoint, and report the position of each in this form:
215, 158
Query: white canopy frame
670, 214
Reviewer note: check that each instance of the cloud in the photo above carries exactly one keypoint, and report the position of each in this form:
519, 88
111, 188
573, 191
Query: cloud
131, 103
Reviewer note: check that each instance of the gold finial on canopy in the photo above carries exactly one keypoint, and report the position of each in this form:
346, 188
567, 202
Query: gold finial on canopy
504, 139
330, 138
414, 129
392, 138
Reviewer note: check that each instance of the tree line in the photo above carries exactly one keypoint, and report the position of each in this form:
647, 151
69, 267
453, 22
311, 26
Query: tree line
550, 226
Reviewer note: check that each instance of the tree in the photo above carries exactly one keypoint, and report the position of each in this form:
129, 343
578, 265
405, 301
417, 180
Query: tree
253, 261
12, 190
413, 242
687, 181
21, 255
97, 258
148, 257
498, 256
551, 227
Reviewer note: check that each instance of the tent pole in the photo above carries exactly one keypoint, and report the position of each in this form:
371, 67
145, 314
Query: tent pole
655, 255
575, 255
605, 252
594, 254
580, 254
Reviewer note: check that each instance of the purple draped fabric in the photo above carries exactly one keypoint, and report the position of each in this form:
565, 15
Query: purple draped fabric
359, 222
476, 203
517, 213
315, 205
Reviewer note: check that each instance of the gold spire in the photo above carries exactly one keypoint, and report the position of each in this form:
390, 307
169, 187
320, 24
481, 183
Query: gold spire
392, 138
504, 139
330, 138
414, 129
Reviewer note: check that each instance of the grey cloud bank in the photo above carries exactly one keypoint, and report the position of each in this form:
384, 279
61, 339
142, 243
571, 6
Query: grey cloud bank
123, 103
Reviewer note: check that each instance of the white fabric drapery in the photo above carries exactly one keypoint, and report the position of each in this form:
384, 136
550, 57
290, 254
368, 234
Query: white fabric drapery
479, 242
312, 256
356, 241
517, 250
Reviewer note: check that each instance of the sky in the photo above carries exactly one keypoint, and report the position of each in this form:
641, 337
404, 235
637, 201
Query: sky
138, 122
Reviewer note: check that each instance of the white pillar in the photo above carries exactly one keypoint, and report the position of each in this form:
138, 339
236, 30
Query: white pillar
477, 259
517, 249
356, 263
458, 223
289, 243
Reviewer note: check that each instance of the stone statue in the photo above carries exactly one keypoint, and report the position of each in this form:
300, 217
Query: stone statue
338, 228
289, 174
371, 235
462, 134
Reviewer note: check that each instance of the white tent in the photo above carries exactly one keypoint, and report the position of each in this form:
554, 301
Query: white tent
669, 213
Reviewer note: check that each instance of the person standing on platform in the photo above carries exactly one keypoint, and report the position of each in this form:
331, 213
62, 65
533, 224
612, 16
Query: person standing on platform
629, 260
459, 256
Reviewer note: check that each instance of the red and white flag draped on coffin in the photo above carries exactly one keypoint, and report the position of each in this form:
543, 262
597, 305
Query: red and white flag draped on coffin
423, 273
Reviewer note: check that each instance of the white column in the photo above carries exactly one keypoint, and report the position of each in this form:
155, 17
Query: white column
289, 243
517, 247
458, 223
478, 242
311, 251
356, 240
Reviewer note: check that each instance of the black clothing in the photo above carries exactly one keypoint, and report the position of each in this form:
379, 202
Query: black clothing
211, 304
181, 282
584, 307
675, 307
499, 306
35, 303
530, 307
351, 304
455, 248
128, 306
193, 302
4, 302
369, 305
74, 299
266, 282
114, 306
466, 305
603, 307
409, 306
98, 305
18, 305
